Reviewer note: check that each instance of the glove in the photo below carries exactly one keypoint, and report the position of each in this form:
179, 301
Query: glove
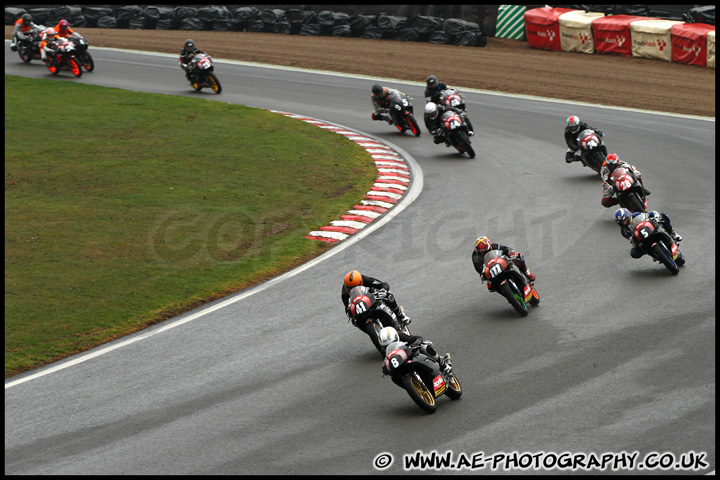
381, 293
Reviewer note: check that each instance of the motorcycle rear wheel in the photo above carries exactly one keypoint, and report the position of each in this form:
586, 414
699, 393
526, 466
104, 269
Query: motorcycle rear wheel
420, 394
454, 389
514, 298
663, 255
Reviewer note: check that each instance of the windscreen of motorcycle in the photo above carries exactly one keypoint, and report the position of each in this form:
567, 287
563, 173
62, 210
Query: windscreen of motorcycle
643, 230
495, 264
396, 355
588, 139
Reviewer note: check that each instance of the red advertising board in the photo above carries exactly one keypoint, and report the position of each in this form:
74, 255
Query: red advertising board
689, 43
612, 34
542, 27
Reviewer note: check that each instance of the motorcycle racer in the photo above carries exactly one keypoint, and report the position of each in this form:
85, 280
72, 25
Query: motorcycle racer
63, 30
186, 55
355, 278
483, 245
47, 43
433, 89
612, 161
388, 336
628, 220
23, 25
381, 101
433, 121
572, 129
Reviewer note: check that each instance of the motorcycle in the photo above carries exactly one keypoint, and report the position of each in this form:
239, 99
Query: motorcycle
628, 190
455, 131
452, 98
370, 313
400, 111
420, 376
592, 149
504, 277
29, 50
81, 53
656, 242
201, 74
63, 58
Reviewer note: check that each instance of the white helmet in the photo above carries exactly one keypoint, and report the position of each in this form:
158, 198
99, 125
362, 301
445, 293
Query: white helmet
387, 336
431, 110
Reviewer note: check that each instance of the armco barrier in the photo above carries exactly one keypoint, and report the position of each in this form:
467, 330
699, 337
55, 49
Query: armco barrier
689, 43
511, 22
651, 39
576, 33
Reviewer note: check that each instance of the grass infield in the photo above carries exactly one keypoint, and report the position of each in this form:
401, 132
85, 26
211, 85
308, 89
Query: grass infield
123, 209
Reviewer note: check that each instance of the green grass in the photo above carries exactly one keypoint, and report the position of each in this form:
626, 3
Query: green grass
124, 208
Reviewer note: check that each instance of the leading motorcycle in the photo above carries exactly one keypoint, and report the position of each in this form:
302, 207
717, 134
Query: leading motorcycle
628, 190
420, 376
652, 239
63, 58
81, 53
201, 73
592, 149
369, 312
455, 131
504, 277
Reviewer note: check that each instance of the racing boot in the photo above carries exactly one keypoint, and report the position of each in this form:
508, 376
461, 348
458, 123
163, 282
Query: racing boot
529, 275
675, 236
402, 318
570, 157
445, 363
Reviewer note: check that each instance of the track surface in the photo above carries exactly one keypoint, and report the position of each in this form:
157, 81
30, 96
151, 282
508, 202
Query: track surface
619, 355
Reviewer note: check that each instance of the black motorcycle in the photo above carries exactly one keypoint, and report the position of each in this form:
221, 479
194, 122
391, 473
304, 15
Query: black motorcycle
420, 376
628, 190
452, 98
401, 113
506, 278
370, 313
63, 58
592, 149
81, 53
655, 241
455, 131
201, 74
29, 49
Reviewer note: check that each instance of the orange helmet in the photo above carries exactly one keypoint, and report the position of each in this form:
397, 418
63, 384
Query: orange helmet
353, 279
482, 245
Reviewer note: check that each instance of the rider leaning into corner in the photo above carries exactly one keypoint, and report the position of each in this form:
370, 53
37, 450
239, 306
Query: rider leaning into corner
355, 279
572, 129
388, 336
187, 54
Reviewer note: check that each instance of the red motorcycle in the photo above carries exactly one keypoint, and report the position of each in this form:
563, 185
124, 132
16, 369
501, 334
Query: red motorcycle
628, 190
452, 98
63, 58
505, 277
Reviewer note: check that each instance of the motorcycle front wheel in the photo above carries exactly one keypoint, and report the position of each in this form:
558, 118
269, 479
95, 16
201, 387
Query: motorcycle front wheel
412, 124
661, 253
635, 203
514, 298
74, 66
88, 62
465, 146
214, 83
420, 394
454, 390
